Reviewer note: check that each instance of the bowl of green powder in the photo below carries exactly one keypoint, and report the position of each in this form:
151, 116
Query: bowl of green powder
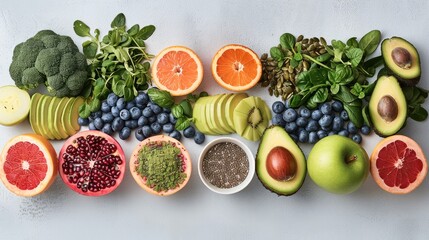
226, 165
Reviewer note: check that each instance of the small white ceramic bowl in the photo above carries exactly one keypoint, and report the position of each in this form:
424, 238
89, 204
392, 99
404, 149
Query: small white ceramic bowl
240, 186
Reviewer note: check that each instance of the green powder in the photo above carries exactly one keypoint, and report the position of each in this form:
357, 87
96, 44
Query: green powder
160, 163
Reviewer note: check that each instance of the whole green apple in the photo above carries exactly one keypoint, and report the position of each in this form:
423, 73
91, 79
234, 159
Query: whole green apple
338, 164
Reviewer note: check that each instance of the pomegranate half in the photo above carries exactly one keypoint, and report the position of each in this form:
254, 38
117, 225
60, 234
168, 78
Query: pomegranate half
92, 163
142, 181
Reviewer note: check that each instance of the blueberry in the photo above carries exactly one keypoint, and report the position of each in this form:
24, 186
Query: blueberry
105, 107
331, 133
325, 121
278, 120
147, 131
337, 106
312, 137
301, 122
142, 121
294, 137
326, 108
357, 138
312, 126
351, 128
291, 127
121, 104
112, 99
199, 138
125, 133
162, 118
142, 98
168, 128
304, 112
83, 121
189, 132
125, 114
156, 127
321, 134
107, 129
115, 111
152, 119
303, 136
176, 135
156, 109
166, 110
135, 113
91, 126
344, 115
95, 115
316, 114
107, 117
117, 124
290, 115
344, 133
139, 134
172, 119
327, 128
130, 105
278, 107
98, 123
132, 124
147, 112
337, 124
365, 130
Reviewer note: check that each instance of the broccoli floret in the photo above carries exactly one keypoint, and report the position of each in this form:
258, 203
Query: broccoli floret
50, 58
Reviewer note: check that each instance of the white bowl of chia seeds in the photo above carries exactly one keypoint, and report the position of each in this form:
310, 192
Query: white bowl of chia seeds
226, 165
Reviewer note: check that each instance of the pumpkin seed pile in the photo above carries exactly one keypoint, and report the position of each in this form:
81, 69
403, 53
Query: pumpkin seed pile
280, 76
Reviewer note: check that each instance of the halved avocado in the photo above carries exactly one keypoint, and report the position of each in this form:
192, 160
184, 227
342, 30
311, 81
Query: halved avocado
57, 118
387, 106
402, 60
35, 101
51, 124
275, 138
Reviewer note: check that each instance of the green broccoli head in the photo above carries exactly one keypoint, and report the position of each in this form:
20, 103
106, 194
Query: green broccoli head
50, 58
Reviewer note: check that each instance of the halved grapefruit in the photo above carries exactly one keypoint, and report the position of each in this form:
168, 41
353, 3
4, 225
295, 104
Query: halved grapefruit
236, 67
177, 69
179, 162
398, 164
28, 165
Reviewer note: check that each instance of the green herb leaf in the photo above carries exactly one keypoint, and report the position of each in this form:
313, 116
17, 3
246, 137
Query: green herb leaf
370, 41
133, 30
366, 116
118, 21
99, 86
277, 54
287, 41
161, 97
352, 42
295, 101
203, 94
95, 105
354, 111
418, 114
183, 122
320, 96
84, 110
294, 63
81, 29
335, 88
146, 32
90, 50
355, 55
345, 96
118, 87
297, 56
187, 107
177, 111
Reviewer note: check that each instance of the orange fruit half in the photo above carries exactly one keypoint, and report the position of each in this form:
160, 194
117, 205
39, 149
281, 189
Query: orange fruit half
236, 67
28, 165
177, 69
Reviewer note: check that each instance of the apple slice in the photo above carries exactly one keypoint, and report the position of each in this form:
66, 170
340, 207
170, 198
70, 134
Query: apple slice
198, 114
214, 119
230, 106
50, 123
14, 105
42, 116
221, 113
64, 115
58, 117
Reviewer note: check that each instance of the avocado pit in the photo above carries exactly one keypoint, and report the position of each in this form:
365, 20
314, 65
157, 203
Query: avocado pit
280, 164
387, 108
401, 57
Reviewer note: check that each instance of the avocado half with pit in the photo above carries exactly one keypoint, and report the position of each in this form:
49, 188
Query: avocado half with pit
402, 60
280, 163
387, 106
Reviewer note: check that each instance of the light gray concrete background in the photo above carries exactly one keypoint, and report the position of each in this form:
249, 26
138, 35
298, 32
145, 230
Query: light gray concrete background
195, 212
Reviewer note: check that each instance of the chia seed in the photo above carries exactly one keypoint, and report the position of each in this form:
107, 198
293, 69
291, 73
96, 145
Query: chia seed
225, 165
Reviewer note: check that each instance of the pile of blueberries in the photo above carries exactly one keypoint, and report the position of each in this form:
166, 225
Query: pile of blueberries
148, 118
309, 126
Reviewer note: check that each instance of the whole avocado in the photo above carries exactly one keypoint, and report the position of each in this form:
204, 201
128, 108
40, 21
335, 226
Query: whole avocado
51, 59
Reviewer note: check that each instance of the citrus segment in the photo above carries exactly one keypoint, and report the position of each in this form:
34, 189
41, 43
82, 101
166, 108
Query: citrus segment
178, 70
236, 67
28, 165
398, 164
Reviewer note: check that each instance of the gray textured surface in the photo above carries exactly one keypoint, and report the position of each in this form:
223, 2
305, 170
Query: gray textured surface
196, 212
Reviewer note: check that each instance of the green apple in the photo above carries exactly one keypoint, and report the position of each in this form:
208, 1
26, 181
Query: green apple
338, 164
